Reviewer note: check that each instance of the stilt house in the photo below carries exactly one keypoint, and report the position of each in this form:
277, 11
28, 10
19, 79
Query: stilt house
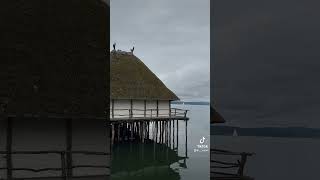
136, 92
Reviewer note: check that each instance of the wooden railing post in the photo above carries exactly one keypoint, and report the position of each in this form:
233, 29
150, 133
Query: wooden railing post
63, 166
242, 163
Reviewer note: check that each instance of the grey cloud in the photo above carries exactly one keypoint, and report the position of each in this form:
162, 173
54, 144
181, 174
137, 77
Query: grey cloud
266, 62
171, 38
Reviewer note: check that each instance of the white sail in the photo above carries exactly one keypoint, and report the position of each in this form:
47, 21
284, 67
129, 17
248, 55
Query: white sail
235, 133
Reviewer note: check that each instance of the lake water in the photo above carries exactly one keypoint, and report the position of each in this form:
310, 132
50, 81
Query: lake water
275, 158
155, 161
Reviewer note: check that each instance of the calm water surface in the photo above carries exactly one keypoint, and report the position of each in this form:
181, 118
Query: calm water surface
157, 161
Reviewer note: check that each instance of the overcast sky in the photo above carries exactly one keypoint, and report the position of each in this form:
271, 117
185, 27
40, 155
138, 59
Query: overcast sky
266, 66
172, 37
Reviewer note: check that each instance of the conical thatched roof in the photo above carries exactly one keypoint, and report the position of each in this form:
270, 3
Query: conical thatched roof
132, 79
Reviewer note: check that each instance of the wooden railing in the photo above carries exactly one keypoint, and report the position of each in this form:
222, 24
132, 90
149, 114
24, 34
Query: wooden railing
148, 113
64, 168
219, 165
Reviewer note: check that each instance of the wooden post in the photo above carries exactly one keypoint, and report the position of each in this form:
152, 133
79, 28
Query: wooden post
63, 166
145, 108
112, 134
169, 108
173, 134
157, 108
142, 130
163, 129
156, 124
9, 148
112, 110
186, 138
177, 135
132, 128
167, 133
131, 108
242, 163
170, 133
69, 146
118, 132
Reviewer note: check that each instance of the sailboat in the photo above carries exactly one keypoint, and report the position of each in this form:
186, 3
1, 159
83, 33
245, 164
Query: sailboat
235, 132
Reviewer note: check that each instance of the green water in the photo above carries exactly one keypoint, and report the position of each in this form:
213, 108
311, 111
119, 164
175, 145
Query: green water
155, 161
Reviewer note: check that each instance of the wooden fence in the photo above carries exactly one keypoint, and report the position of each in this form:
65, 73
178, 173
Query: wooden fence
216, 166
148, 113
65, 168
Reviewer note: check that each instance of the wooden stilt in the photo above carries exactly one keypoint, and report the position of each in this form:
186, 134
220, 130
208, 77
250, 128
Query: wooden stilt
177, 135
170, 140
69, 147
131, 128
156, 124
9, 148
173, 134
112, 134
118, 132
186, 138
142, 131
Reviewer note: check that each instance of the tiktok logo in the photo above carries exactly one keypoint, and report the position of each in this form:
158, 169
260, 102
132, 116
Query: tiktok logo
202, 140
202, 147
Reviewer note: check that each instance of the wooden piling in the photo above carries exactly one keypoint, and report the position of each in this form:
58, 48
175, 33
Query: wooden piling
177, 135
9, 148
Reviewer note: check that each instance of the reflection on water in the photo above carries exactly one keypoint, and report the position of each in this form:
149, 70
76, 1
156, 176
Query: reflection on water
157, 161
132, 160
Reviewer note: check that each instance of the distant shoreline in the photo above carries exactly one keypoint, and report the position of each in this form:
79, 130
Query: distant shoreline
191, 103
292, 132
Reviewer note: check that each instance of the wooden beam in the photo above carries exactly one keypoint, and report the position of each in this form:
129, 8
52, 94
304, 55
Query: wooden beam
69, 147
9, 148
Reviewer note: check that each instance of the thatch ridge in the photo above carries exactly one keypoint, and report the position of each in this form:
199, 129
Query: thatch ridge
132, 79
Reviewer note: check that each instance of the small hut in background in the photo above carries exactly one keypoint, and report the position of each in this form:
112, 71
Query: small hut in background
222, 165
53, 74
215, 117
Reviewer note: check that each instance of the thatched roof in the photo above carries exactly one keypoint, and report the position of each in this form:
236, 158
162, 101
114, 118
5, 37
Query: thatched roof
216, 117
132, 79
